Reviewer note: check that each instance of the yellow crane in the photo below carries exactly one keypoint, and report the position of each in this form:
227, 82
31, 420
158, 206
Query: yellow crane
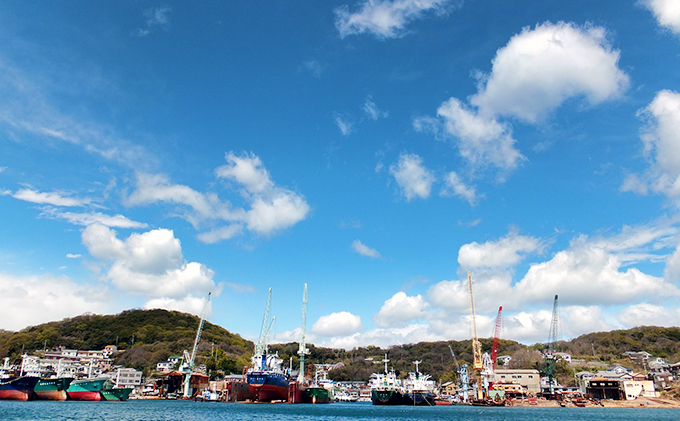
477, 364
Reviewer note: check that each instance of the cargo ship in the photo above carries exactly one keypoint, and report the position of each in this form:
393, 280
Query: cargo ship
321, 390
18, 388
116, 394
86, 389
265, 378
419, 389
386, 389
53, 389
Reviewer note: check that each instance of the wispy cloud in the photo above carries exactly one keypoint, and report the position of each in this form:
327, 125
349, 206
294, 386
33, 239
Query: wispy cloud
51, 198
88, 218
456, 186
158, 17
364, 250
346, 127
385, 18
372, 110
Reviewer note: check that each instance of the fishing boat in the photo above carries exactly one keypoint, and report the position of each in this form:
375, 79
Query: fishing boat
53, 389
86, 389
18, 388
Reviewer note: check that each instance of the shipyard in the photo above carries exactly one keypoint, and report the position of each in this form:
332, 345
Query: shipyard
65, 374
356, 210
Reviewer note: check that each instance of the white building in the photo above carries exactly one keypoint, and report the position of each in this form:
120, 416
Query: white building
127, 377
639, 388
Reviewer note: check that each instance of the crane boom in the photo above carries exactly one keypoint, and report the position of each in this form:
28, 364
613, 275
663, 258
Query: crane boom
303, 337
261, 343
188, 365
476, 345
496, 338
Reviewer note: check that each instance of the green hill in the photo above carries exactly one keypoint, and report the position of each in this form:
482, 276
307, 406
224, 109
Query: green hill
150, 336
146, 336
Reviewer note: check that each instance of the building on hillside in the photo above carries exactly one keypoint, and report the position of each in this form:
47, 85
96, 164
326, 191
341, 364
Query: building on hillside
503, 359
448, 388
603, 388
564, 356
127, 377
637, 356
110, 350
639, 386
531, 379
663, 381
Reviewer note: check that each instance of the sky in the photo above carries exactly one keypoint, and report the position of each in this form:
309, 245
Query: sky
376, 150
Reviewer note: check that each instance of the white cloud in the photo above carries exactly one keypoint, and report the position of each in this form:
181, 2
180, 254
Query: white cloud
384, 18
586, 274
666, 12
115, 221
337, 324
401, 309
150, 264
272, 208
53, 198
31, 300
413, 178
158, 16
364, 250
2, 169
455, 186
645, 314
73, 256
345, 126
482, 141
661, 142
505, 252
372, 110
188, 304
535, 73
314, 67
541, 68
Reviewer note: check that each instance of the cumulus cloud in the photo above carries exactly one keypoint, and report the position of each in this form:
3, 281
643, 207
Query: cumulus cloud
271, 208
541, 68
150, 264
414, 179
364, 250
645, 314
454, 185
188, 304
337, 324
505, 252
534, 74
666, 12
384, 18
372, 110
401, 309
31, 300
661, 147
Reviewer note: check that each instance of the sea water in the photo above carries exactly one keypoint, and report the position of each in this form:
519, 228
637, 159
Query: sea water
162, 410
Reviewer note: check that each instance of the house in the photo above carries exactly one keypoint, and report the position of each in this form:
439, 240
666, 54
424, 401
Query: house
638, 356
564, 356
127, 377
603, 388
636, 387
663, 380
531, 379
503, 359
449, 388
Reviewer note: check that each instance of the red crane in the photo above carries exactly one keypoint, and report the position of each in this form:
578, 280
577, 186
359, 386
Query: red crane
496, 336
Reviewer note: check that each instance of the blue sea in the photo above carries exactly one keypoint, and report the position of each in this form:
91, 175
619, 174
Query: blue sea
162, 410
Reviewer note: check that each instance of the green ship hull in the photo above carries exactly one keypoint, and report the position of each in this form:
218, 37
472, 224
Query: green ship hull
118, 394
317, 395
52, 389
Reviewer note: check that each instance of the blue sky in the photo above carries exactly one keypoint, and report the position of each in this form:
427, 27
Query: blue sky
151, 152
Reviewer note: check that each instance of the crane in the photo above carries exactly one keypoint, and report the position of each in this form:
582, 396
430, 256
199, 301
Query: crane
549, 354
260, 346
189, 360
462, 372
496, 338
477, 364
303, 338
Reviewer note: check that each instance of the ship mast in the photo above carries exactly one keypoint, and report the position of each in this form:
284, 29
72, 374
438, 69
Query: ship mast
303, 338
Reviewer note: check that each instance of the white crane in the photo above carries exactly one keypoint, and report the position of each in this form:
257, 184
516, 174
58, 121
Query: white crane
303, 338
189, 360
477, 364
